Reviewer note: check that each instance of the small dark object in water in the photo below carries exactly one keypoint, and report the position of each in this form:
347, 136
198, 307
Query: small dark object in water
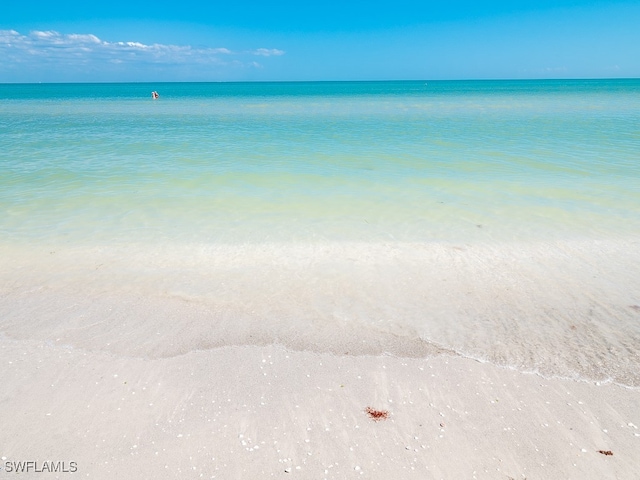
605, 452
377, 415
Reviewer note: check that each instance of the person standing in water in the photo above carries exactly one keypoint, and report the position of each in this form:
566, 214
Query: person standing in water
155, 95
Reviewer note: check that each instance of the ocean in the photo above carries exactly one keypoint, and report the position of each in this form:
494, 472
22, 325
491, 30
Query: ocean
497, 220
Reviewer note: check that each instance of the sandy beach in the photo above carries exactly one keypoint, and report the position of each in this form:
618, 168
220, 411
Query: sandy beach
128, 376
268, 412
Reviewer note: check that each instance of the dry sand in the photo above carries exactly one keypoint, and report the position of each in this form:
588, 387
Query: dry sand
265, 411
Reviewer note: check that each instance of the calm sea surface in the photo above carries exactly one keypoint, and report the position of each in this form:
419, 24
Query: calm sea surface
498, 220
225, 162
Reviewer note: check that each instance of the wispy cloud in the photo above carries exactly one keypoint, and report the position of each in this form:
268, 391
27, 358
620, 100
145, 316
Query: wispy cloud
74, 50
268, 52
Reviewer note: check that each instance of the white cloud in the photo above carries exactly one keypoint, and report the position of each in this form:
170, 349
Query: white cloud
84, 38
266, 52
75, 49
49, 34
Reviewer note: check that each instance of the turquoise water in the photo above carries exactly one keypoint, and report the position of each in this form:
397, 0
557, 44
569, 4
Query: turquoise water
225, 162
494, 220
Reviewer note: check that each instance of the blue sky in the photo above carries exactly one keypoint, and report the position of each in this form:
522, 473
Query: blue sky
120, 40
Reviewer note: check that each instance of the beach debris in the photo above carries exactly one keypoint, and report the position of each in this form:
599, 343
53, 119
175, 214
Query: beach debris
377, 415
605, 452
441, 424
635, 307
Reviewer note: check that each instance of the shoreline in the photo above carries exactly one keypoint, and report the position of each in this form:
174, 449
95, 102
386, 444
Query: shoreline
189, 362
562, 309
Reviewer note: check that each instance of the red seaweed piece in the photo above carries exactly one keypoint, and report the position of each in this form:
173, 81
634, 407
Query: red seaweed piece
377, 415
